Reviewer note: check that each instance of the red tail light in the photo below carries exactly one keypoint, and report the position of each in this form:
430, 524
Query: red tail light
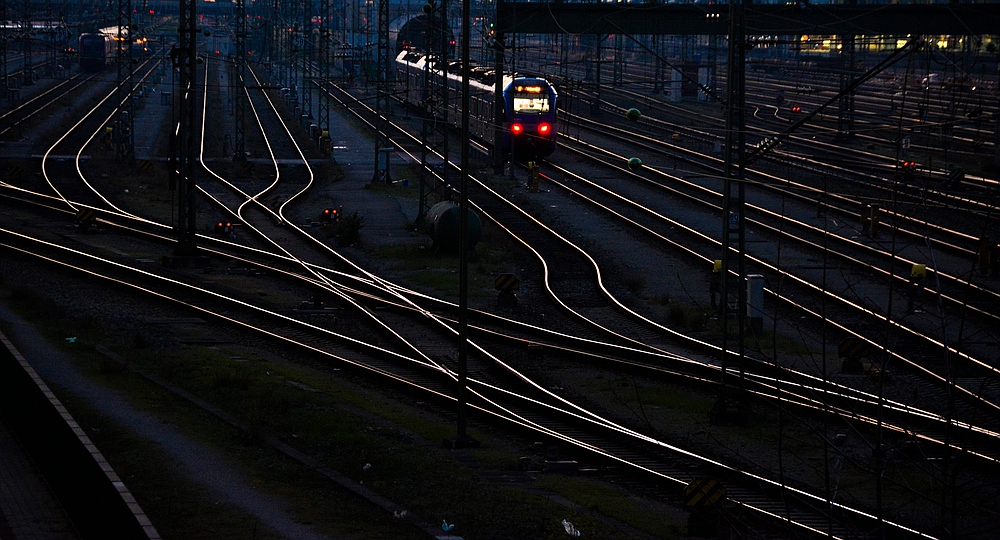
544, 129
516, 129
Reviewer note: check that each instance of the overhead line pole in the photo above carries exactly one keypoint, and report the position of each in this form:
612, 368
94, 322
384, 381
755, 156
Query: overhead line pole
4, 85
462, 439
323, 72
124, 124
238, 82
434, 126
305, 116
28, 75
730, 406
382, 91
499, 119
183, 138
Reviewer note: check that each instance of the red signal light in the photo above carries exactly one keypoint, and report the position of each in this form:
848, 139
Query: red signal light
544, 129
516, 129
796, 109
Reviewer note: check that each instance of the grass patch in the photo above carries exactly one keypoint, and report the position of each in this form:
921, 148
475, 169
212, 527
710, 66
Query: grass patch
349, 430
181, 508
767, 342
691, 317
632, 392
324, 414
34, 305
613, 502
405, 183
422, 267
346, 230
633, 280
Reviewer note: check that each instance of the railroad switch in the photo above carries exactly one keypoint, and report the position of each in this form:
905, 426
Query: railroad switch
86, 218
870, 220
225, 228
985, 253
325, 147
507, 300
506, 284
915, 290
715, 282
730, 410
314, 302
852, 350
535, 176
331, 214
706, 498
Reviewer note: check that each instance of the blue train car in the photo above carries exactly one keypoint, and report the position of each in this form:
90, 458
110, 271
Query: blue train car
530, 105
96, 51
530, 112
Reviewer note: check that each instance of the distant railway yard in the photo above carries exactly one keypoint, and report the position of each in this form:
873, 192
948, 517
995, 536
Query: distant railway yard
253, 264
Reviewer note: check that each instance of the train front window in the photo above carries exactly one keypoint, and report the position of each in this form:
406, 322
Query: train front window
531, 103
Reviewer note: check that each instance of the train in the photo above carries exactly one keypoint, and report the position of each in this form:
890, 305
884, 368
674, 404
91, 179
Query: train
98, 49
530, 105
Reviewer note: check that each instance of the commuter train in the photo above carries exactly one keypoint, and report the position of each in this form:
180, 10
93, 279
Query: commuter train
530, 105
98, 49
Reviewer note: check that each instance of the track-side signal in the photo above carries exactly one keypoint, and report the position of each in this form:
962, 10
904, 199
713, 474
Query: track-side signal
224, 228
330, 214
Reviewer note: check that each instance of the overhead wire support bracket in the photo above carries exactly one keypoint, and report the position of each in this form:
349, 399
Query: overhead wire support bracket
382, 91
772, 142
708, 90
237, 83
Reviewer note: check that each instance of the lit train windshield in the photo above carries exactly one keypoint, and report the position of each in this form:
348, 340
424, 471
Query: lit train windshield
530, 99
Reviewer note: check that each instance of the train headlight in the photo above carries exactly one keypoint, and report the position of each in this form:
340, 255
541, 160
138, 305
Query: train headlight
544, 129
516, 129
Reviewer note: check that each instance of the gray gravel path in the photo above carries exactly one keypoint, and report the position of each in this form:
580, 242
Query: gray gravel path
202, 464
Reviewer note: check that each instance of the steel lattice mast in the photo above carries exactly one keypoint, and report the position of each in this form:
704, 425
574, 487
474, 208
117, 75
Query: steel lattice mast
28, 69
323, 73
734, 197
183, 138
289, 29
237, 83
848, 73
370, 44
125, 115
306, 38
434, 128
4, 85
382, 90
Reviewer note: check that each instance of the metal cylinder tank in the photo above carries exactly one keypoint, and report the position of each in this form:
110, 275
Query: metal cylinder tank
444, 227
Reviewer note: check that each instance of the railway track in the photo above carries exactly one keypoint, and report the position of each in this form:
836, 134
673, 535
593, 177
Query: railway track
428, 365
